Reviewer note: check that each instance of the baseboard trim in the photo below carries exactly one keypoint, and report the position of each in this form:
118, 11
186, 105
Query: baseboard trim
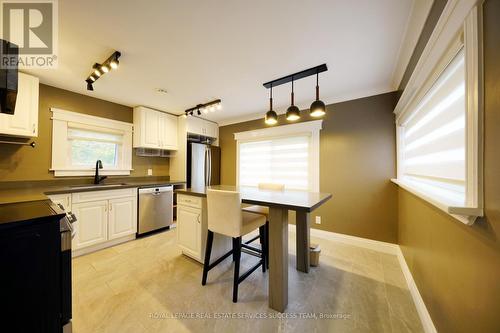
388, 248
97, 247
424, 315
366, 243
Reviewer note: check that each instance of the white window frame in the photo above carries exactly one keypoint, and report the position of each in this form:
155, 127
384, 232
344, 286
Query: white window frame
459, 26
61, 161
309, 128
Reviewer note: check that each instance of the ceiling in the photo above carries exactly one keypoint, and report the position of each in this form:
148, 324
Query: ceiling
202, 50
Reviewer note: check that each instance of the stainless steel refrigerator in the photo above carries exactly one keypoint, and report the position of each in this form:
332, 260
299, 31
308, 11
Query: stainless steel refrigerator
203, 165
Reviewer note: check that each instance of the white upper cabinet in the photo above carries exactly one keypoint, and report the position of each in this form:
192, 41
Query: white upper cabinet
203, 127
24, 121
154, 129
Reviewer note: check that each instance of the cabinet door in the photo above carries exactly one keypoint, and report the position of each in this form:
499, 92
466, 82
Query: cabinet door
24, 121
189, 230
195, 125
63, 200
151, 128
92, 224
168, 131
122, 217
212, 129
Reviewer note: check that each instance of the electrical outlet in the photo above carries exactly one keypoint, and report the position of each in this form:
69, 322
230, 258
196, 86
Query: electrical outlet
318, 219
150, 172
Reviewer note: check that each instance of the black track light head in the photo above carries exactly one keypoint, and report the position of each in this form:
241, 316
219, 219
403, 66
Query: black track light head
89, 85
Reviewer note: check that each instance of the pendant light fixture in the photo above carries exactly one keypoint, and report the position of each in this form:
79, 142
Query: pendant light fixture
271, 115
293, 112
317, 108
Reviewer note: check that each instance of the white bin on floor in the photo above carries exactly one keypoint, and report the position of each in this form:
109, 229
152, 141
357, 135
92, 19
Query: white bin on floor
314, 251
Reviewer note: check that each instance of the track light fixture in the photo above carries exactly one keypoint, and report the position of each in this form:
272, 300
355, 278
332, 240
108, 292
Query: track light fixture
318, 108
271, 116
293, 112
205, 108
99, 69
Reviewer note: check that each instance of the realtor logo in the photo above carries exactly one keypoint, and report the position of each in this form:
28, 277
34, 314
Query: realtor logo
32, 27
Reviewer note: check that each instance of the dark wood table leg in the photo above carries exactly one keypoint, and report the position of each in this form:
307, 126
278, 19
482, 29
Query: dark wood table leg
303, 240
278, 258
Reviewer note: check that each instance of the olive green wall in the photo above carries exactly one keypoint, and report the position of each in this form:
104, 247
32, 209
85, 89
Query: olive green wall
357, 161
457, 267
25, 163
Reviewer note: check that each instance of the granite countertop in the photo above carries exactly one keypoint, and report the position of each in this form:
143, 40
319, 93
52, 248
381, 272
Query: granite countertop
13, 192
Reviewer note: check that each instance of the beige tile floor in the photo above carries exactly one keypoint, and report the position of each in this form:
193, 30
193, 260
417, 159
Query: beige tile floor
147, 285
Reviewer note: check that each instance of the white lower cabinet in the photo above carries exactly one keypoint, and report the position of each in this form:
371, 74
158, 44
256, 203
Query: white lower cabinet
189, 230
122, 217
192, 229
104, 218
92, 224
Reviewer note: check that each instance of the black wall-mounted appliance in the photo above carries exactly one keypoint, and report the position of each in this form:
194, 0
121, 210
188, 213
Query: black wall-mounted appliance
8, 77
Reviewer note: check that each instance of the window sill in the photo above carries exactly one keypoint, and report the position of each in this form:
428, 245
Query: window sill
90, 172
466, 215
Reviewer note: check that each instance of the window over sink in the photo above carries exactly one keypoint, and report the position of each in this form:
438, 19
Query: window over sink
79, 140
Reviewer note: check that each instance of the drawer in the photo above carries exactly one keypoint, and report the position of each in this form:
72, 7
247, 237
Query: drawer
189, 200
103, 195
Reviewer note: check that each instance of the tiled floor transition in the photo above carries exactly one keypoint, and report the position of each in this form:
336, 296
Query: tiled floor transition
147, 285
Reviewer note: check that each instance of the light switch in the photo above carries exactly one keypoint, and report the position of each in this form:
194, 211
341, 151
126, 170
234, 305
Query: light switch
318, 219
150, 172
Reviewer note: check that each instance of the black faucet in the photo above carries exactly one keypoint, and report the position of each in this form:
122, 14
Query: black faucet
97, 178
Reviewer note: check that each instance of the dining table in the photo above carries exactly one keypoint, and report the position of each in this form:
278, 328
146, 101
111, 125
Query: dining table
279, 203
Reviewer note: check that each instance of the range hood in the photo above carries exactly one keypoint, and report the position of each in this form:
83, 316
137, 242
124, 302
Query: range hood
8, 77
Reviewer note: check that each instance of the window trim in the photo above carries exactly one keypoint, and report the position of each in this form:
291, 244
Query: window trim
309, 128
62, 120
459, 26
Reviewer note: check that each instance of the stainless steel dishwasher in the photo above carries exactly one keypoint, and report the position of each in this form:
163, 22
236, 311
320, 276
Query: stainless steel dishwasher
155, 208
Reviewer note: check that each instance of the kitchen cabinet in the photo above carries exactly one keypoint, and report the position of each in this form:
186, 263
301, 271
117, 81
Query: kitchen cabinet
104, 218
122, 217
189, 230
203, 127
92, 224
24, 121
62, 199
192, 229
154, 129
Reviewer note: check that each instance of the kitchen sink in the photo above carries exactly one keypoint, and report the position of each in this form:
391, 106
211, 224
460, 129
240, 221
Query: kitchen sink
97, 185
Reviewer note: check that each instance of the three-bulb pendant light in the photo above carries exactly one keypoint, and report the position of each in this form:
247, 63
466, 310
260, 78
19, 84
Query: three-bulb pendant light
293, 112
318, 107
271, 115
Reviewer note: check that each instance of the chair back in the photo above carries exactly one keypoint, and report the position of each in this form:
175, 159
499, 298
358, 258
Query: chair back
224, 212
271, 186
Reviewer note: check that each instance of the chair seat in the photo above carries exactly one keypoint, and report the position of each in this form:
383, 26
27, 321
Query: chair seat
252, 221
262, 210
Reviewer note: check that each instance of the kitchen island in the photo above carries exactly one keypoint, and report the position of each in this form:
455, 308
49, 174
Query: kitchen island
279, 203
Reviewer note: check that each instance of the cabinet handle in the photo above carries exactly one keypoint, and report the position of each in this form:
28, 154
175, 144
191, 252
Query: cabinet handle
198, 218
110, 207
34, 127
106, 208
